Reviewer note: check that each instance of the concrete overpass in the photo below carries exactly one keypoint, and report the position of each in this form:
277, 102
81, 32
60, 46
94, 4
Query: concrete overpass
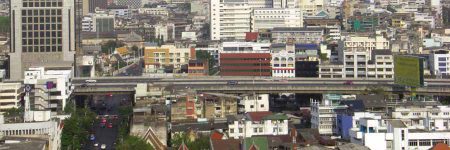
256, 84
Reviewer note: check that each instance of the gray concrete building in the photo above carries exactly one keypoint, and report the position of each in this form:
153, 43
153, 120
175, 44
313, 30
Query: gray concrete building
43, 34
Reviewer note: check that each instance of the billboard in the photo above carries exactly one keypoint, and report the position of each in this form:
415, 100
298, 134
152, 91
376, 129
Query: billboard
408, 70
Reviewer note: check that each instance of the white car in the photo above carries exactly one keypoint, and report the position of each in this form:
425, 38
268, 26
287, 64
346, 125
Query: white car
96, 144
91, 81
103, 146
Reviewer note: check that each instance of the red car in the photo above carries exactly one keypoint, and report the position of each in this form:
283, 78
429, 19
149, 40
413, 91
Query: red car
103, 120
109, 125
348, 82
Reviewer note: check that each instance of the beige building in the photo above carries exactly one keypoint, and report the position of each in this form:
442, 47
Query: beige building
157, 59
10, 95
216, 105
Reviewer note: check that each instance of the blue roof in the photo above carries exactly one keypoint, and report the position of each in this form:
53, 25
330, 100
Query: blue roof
306, 46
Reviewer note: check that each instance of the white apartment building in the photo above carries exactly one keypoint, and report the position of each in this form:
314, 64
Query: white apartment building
311, 7
268, 18
230, 19
365, 43
328, 70
395, 135
423, 117
49, 130
284, 3
283, 64
425, 17
86, 24
440, 62
362, 57
297, 35
244, 46
56, 97
10, 95
99, 21
254, 103
323, 115
257, 123
357, 64
159, 11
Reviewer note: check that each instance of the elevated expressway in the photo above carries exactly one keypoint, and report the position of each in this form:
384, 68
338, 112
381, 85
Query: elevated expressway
256, 84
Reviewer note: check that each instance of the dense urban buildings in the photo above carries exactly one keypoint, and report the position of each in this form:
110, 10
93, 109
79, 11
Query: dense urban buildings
225, 74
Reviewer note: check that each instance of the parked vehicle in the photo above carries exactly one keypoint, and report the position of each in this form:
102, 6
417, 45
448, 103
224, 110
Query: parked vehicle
232, 82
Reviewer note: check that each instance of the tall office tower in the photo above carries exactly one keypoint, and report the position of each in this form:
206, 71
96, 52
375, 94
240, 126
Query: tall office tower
230, 19
43, 34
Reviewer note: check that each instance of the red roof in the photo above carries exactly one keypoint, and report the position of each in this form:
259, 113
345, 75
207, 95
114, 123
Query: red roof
257, 116
183, 147
441, 146
216, 136
251, 36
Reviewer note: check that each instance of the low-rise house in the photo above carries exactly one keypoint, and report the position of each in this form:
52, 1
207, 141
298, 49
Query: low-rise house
257, 123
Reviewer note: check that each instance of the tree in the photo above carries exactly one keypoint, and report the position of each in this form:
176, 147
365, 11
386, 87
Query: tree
200, 143
135, 48
111, 45
135, 143
206, 56
76, 127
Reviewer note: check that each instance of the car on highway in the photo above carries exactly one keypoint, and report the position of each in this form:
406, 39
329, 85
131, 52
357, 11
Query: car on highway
232, 82
348, 82
103, 120
95, 144
110, 125
91, 81
103, 146
92, 137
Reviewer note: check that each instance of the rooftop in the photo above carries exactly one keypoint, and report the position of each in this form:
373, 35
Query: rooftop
21, 143
296, 29
397, 123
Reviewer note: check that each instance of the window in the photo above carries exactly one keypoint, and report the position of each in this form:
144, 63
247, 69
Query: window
412, 143
260, 130
388, 69
275, 130
416, 114
262, 105
259, 98
434, 114
240, 130
446, 113
403, 135
255, 130
251, 106
424, 142
379, 69
231, 130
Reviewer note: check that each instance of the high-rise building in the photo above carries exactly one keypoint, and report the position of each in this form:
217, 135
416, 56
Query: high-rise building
93, 4
43, 35
230, 19
130, 3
